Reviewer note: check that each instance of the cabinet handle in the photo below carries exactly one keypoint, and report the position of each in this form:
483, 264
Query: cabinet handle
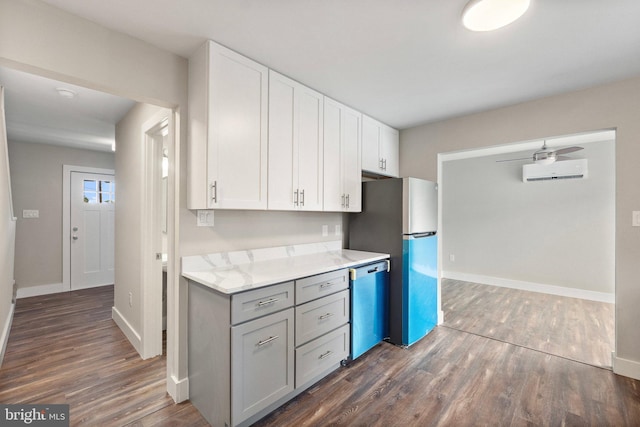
214, 190
325, 355
343, 199
384, 164
325, 316
326, 285
295, 200
302, 198
381, 164
267, 341
347, 201
267, 302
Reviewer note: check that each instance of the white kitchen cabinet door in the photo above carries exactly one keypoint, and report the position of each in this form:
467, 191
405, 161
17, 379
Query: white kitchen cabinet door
351, 159
295, 145
342, 163
370, 145
390, 151
228, 101
380, 148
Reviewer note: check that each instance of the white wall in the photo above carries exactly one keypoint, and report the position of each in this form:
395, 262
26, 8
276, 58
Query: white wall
7, 236
611, 106
36, 179
41, 39
549, 233
130, 152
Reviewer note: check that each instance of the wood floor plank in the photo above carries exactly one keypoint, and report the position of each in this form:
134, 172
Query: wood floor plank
574, 328
449, 378
64, 348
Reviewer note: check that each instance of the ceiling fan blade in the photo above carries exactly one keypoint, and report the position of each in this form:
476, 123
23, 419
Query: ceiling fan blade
512, 160
568, 150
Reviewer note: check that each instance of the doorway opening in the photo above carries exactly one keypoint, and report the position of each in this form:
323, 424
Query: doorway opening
531, 263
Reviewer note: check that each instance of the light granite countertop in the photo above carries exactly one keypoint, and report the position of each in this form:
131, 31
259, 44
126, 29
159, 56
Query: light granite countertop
232, 272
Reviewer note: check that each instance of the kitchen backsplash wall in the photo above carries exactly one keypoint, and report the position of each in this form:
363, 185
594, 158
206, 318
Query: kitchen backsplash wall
237, 230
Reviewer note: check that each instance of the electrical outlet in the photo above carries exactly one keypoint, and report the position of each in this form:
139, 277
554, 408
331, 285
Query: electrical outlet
338, 230
635, 219
130, 299
30, 213
452, 257
205, 218
325, 230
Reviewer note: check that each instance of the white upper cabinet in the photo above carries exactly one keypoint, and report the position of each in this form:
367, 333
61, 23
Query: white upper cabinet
380, 148
342, 154
295, 145
228, 101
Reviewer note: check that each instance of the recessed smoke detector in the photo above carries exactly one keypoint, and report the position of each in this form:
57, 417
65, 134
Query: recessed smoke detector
66, 93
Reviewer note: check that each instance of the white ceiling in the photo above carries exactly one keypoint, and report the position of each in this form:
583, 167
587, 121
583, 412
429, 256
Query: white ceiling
35, 112
403, 62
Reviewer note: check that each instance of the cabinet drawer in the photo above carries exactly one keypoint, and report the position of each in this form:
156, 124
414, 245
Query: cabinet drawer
318, 317
321, 355
315, 287
252, 304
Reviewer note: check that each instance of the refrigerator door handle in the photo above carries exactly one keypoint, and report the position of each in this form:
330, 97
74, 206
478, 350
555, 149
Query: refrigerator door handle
420, 235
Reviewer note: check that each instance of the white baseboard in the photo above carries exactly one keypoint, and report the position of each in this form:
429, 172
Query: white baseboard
34, 291
6, 328
178, 389
625, 367
531, 286
126, 328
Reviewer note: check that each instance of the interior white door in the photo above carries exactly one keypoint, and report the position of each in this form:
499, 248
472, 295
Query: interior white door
92, 229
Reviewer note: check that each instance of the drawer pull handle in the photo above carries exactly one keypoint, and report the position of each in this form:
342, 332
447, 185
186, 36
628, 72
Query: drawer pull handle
325, 355
267, 302
325, 316
267, 341
326, 285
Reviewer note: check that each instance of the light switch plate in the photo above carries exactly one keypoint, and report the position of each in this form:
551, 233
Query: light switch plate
635, 219
30, 213
205, 218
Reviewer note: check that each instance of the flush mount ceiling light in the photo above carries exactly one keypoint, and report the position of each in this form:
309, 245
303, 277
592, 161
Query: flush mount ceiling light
488, 15
65, 93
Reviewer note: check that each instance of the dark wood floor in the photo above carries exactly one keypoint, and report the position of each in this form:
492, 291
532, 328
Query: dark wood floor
66, 349
574, 328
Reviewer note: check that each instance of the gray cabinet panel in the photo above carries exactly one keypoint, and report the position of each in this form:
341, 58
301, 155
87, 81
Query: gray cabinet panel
318, 286
262, 366
321, 316
260, 302
321, 355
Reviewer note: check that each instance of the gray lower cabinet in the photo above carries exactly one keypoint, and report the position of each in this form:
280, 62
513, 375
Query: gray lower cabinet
262, 366
252, 351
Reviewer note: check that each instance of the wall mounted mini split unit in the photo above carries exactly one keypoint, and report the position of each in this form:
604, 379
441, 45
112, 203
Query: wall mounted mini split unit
560, 169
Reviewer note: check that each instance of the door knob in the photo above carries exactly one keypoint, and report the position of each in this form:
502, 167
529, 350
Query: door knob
75, 228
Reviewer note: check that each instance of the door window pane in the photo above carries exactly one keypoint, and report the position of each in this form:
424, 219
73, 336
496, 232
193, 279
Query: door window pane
99, 191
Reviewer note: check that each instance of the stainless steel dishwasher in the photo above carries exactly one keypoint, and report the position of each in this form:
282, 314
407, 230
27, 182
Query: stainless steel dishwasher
369, 306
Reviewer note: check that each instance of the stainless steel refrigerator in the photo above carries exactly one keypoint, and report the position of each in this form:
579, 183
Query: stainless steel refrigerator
400, 217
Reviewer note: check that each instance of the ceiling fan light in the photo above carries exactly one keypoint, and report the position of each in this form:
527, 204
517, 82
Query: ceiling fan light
489, 15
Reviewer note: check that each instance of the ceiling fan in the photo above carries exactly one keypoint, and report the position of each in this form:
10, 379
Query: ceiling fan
546, 155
